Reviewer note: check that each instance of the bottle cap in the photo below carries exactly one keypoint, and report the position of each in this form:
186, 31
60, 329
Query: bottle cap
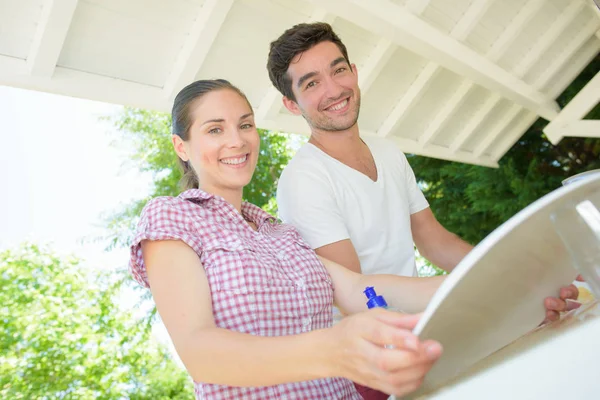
374, 300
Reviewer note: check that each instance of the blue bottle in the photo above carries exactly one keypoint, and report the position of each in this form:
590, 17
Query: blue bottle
373, 299
376, 301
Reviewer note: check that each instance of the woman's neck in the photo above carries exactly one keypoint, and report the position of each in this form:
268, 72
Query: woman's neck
232, 196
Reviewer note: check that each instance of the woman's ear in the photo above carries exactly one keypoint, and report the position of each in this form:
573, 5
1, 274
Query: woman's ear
180, 148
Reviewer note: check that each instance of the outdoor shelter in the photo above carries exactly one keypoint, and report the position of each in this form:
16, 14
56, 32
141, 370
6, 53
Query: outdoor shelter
453, 79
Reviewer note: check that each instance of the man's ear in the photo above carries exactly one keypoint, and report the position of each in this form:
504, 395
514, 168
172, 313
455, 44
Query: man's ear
179, 146
292, 106
354, 69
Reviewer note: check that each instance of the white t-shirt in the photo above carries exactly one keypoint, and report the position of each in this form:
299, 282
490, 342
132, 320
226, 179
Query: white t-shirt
327, 201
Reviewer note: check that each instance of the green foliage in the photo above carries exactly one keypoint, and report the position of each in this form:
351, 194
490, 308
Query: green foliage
471, 201
148, 134
63, 337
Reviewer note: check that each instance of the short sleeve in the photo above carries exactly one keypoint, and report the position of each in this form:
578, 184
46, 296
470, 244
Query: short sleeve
161, 219
416, 199
305, 199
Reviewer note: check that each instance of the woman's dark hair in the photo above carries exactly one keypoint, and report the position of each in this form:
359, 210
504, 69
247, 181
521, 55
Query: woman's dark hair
292, 42
182, 121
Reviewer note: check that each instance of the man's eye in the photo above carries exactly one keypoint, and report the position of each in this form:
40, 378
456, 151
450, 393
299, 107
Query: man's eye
310, 84
342, 69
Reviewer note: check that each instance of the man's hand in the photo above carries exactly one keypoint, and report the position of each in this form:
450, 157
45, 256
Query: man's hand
556, 305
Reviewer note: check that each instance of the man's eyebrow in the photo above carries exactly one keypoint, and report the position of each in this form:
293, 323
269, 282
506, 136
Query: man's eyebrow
306, 77
337, 61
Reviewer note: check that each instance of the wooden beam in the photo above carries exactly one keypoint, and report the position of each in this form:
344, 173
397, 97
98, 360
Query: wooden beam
510, 139
441, 152
497, 130
375, 63
574, 68
50, 36
407, 30
550, 36
409, 100
581, 128
583, 36
69, 82
475, 122
197, 45
565, 123
470, 19
514, 30
475, 11
443, 116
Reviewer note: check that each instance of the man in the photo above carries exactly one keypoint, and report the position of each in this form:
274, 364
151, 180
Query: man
355, 200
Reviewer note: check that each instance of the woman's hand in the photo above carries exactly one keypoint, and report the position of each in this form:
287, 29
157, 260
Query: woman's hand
360, 352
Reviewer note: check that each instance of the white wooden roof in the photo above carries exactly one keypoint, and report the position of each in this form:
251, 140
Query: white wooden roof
453, 79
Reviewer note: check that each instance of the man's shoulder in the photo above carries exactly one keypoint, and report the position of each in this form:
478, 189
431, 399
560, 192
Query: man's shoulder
307, 160
383, 146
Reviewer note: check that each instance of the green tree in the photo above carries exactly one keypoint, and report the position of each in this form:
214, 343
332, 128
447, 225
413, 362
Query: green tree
63, 336
148, 134
472, 201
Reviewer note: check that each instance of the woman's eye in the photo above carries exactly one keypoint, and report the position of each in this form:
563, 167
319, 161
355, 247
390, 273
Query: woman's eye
246, 126
214, 131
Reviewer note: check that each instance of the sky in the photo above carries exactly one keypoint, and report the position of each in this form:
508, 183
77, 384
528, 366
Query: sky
59, 173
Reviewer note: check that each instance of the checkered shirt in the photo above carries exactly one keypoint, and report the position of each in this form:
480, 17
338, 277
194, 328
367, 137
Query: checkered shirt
267, 282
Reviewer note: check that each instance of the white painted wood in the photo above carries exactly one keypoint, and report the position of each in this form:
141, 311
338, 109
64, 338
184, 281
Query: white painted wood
446, 113
511, 137
574, 68
375, 63
475, 122
514, 30
197, 45
409, 31
496, 293
50, 36
462, 29
584, 34
410, 98
417, 7
580, 128
470, 19
498, 128
551, 35
500, 47
69, 82
441, 152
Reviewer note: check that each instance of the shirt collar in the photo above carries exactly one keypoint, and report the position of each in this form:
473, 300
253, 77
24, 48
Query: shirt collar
257, 214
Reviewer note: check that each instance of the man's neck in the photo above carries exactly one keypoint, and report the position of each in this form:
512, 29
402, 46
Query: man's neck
337, 144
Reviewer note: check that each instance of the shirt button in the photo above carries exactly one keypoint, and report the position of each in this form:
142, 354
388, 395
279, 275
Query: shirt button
300, 283
306, 321
282, 255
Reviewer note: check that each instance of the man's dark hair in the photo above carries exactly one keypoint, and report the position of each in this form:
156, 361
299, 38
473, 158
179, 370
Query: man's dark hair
292, 42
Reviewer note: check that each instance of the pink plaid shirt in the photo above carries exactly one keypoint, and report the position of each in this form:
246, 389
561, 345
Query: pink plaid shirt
267, 282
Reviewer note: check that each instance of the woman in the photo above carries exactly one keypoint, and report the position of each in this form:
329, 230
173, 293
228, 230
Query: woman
246, 302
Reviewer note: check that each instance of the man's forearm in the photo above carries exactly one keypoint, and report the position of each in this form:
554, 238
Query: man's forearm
448, 252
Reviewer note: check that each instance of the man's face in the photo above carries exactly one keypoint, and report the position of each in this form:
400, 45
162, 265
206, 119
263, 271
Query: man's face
326, 88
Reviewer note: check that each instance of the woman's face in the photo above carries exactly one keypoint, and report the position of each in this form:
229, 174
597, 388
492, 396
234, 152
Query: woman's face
223, 143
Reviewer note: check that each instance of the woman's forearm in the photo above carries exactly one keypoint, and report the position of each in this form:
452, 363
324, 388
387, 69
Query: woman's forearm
220, 356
